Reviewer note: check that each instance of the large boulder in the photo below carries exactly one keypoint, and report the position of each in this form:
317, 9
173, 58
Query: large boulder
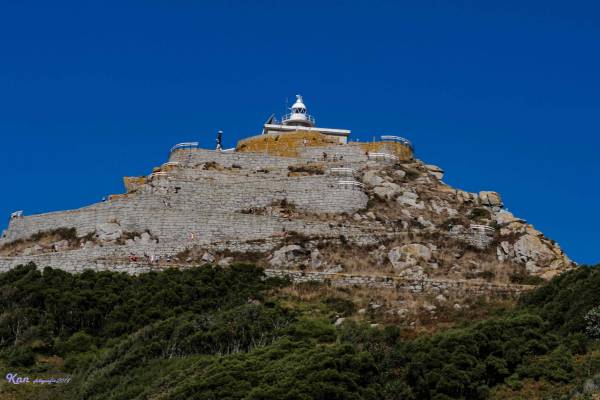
372, 179
145, 238
504, 217
400, 174
410, 199
541, 257
316, 259
491, 199
530, 247
36, 249
108, 231
287, 256
208, 258
435, 171
465, 197
387, 190
61, 245
409, 255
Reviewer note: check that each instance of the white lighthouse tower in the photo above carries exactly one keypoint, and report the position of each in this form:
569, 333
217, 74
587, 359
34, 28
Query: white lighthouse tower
299, 120
298, 116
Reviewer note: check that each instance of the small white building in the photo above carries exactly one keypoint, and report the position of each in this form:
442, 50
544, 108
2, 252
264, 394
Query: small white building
299, 119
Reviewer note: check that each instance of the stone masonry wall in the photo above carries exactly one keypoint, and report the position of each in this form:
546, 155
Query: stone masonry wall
209, 205
415, 286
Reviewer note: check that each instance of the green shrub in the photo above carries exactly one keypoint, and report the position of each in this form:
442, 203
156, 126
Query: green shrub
479, 213
215, 333
592, 319
20, 357
342, 306
526, 279
77, 343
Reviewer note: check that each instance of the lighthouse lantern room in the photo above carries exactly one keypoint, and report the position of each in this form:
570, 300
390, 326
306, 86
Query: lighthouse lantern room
299, 120
298, 116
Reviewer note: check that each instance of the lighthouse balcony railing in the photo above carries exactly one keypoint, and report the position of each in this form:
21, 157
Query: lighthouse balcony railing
290, 117
397, 139
186, 145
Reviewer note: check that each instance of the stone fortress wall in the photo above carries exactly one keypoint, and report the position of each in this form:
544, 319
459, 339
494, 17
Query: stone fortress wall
277, 187
201, 198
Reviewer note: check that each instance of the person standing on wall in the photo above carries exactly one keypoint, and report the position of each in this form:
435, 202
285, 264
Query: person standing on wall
219, 140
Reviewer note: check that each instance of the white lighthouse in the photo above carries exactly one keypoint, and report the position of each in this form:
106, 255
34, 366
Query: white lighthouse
298, 116
300, 120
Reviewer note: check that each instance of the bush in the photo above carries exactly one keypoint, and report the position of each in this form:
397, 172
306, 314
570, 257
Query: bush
306, 169
592, 319
218, 333
20, 357
411, 174
342, 306
478, 214
77, 343
526, 279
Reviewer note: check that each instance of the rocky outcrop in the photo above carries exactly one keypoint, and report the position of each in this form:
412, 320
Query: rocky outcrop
409, 255
436, 171
387, 190
287, 256
212, 207
409, 198
108, 231
491, 199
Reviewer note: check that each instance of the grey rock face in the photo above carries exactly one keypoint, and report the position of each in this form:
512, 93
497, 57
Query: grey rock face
400, 174
435, 171
240, 210
410, 199
530, 247
145, 238
208, 258
491, 199
225, 262
316, 259
287, 256
108, 231
61, 245
505, 217
384, 192
372, 179
409, 255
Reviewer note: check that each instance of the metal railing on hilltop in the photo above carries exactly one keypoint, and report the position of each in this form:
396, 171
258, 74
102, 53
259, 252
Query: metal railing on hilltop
382, 156
186, 145
397, 139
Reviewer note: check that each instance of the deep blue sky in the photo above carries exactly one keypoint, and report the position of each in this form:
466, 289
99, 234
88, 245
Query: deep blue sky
503, 95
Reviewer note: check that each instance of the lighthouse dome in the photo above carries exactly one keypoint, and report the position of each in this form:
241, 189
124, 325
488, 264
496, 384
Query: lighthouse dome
298, 115
299, 104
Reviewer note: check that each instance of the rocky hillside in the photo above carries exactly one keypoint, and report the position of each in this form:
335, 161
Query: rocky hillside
342, 214
416, 226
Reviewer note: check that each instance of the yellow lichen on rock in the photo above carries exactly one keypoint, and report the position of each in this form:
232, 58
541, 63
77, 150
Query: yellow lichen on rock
285, 144
116, 196
402, 151
133, 182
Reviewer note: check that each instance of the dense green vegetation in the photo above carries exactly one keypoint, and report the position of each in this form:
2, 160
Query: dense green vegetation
226, 333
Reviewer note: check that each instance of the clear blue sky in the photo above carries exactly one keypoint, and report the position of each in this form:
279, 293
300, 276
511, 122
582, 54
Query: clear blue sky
503, 95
